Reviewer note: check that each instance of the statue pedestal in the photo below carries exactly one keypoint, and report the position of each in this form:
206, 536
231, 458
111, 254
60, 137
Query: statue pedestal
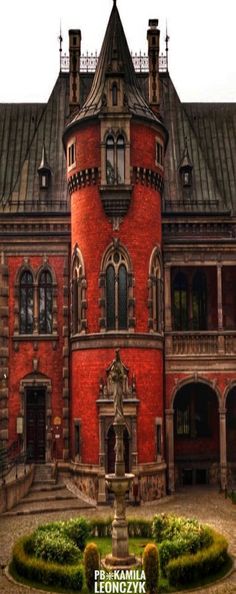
120, 556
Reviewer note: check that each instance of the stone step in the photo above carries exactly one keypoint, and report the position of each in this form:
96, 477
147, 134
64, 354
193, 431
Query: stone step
39, 488
33, 497
35, 508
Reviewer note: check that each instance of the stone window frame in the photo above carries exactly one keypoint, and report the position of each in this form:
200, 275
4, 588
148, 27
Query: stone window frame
115, 133
155, 292
159, 153
116, 246
36, 273
71, 154
78, 293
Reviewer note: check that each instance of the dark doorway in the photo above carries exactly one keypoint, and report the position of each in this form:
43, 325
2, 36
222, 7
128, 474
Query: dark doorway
111, 450
35, 424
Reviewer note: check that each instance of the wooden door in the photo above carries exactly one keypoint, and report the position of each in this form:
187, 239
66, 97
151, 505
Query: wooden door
35, 424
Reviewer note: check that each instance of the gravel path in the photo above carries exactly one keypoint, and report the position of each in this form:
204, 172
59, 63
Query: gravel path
205, 504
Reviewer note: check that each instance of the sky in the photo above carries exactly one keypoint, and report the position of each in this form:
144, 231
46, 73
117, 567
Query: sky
202, 46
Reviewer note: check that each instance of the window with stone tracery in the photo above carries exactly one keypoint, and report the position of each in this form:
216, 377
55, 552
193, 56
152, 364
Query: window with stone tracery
155, 300
78, 293
35, 301
26, 303
115, 159
116, 282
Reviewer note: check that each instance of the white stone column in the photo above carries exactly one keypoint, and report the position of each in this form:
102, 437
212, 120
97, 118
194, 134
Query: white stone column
223, 454
170, 448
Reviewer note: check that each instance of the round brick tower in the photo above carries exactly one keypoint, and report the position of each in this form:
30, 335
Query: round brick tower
115, 145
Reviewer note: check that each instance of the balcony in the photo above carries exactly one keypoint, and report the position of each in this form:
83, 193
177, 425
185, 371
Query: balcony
205, 343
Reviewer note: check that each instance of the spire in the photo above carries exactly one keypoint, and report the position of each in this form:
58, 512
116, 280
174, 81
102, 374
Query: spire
115, 59
44, 163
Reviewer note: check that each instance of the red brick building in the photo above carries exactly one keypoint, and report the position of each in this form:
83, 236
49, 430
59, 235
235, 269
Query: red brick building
117, 223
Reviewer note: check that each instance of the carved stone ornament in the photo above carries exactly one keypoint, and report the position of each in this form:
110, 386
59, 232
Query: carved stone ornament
117, 380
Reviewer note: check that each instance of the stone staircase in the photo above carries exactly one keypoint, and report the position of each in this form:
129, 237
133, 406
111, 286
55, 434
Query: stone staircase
46, 495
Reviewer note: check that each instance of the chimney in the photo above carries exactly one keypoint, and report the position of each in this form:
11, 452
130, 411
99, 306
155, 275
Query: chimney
75, 51
153, 37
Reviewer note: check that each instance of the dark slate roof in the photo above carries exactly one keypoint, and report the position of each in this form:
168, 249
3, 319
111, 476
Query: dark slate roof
206, 193
115, 51
24, 130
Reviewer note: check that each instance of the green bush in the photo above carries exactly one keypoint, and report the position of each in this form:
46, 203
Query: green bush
189, 568
139, 528
136, 527
44, 572
54, 546
151, 567
78, 530
91, 563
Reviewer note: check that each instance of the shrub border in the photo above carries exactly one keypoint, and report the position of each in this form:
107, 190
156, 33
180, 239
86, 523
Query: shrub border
44, 572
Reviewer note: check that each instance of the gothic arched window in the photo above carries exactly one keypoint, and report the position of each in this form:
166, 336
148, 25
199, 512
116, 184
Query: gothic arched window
45, 292
78, 293
110, 160
155, 301
114, 94
116, 282
199, 301
180, 302
26, 303
115, 159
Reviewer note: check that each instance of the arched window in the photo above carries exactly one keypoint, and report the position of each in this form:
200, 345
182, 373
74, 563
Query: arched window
110, 160
115, 160
199, 301
117, 303
26, 303
155, 301
120, 159
116, 293
45, 302
180, 302
78, 293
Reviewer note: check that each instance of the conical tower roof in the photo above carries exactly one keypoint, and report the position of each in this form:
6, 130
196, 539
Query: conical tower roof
115, 58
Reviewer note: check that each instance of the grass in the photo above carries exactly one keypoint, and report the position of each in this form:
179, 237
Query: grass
136, 545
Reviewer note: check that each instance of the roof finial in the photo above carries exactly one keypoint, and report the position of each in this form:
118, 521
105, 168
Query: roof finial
114, 2
60, 39
167, 46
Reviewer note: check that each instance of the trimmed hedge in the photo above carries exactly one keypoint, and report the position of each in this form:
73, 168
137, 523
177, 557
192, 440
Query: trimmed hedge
44, 572
190, 568
55, 547
136, 527
77, 530
151, 567
91, 564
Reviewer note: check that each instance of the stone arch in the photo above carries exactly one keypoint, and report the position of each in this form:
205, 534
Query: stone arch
196, 379
196, 432
78, 293
155, 291
116, 258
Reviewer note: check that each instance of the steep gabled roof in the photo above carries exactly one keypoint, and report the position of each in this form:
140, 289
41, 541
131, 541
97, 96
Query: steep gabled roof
115, 49
206, 193
24, 130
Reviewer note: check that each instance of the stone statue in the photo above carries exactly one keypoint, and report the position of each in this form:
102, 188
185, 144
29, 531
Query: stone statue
117, 376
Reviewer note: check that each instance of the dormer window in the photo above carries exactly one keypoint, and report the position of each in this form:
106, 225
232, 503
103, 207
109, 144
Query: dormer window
186, 168
44, 172
115, 160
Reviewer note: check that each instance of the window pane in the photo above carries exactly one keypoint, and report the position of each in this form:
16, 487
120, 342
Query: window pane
110, 164
199, 301
26, 303
45, 303
122, 298
120, 160
110, 297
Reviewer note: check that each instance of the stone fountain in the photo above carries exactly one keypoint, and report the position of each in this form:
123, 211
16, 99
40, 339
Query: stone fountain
119, 482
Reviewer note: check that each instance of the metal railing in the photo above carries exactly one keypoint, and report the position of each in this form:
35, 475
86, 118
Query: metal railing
88, 62
11, 459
